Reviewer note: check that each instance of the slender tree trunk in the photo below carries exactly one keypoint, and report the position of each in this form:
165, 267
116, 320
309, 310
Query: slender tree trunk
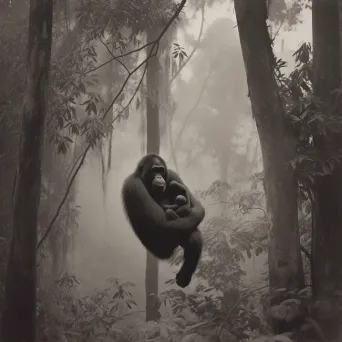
153, 145
327, 235
164, 85
20, 299
278, 147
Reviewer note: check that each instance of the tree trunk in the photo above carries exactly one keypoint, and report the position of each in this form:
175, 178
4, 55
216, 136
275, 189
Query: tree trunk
278, 148
153, 145
164, 85
10, 101
20, 299
327, 235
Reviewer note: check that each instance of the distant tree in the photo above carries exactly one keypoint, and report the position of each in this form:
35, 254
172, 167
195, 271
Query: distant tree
155, 79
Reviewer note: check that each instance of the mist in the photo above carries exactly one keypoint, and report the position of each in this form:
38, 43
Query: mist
106, 246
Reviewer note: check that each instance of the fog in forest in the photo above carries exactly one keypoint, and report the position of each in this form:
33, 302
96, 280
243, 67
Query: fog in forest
247, 94
106, 246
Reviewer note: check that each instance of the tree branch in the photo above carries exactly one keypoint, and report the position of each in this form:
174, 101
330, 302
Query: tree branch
83, 156
110, 52
64, 198
154, 42
75, 173
136, 90
123, 55
118, 116
306, 252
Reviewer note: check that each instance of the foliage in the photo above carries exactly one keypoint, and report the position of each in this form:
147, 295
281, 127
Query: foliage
310, 120
100, 16
219, 307
86, 318
286, 14
117, 27
75, 92
76, 105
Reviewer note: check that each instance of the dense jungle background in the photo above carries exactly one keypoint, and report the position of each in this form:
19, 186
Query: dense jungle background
241, 98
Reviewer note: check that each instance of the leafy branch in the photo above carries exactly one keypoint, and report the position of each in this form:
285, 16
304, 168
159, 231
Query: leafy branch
77, 169
123, 55
135, 92
111, 53
230, 311
83, 156
193, 50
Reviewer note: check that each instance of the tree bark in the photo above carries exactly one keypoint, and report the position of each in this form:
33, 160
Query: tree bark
278, 147
153, 146
11, 86
327, 234
18, 322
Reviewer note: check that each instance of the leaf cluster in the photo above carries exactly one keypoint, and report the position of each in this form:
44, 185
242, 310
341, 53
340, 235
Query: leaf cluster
310, 120
228, 241
100, 16
85, 318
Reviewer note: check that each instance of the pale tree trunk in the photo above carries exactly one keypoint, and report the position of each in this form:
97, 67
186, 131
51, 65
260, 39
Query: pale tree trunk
327, 234
157, 108
278, 147
153, 145
18, 322
164, 85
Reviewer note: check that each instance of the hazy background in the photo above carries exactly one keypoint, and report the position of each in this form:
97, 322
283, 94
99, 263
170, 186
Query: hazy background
106, 245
